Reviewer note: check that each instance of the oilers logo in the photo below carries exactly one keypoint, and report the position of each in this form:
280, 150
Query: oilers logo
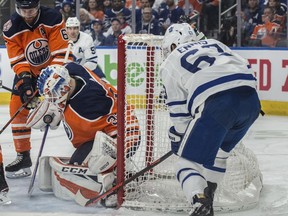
68, 130
37, 52
112, 119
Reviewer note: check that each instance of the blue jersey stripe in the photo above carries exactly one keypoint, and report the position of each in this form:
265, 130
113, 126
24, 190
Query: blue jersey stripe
216, 82
173, 115
177, 103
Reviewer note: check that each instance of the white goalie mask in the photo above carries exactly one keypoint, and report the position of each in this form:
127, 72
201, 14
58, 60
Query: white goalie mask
54, 84
178, 34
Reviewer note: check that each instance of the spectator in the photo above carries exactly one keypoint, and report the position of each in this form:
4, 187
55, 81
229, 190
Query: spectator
118, 6
112, 39
280, 11
149, 24
85, 20
251, 16
67, 10
228, 31
139, 12
59, 3
125, 27
97, 33
170, 14
195, 6
95, 9
210, 15
268, 32
106, 5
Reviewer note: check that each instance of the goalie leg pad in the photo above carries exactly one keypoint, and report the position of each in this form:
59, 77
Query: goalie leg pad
68, 179
108, 180
103, 153
45, 181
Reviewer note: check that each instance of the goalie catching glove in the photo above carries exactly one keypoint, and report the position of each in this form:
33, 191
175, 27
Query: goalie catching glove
45, 113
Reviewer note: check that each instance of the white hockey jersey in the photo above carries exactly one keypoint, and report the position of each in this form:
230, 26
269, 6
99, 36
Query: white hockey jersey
84, 51
196, 70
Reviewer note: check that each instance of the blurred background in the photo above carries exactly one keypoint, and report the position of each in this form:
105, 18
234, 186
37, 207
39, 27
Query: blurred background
237, 23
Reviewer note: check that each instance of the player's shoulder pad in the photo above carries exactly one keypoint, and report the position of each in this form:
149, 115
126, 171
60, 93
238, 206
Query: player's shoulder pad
75, 69
50, 16
13, 25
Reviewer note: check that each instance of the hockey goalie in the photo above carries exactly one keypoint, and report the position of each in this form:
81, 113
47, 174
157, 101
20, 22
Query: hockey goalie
87, 106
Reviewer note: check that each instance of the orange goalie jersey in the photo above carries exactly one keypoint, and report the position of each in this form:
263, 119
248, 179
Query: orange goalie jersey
94, 108
32, 48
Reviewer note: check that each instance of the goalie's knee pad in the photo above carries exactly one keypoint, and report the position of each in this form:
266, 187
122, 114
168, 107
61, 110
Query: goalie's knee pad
103, 153
68, 179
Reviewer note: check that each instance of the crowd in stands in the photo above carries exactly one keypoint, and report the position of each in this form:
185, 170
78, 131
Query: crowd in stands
263, 21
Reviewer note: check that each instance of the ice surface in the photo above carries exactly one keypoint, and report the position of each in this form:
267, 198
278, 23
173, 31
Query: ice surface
268, 139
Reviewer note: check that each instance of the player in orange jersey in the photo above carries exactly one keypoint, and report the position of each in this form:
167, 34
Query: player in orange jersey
88, 108
35, 37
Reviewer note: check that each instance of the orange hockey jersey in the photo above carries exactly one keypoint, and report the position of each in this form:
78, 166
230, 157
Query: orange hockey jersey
32, 48
267, 33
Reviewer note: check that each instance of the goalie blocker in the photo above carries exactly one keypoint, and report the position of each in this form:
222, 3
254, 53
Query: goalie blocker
67, 180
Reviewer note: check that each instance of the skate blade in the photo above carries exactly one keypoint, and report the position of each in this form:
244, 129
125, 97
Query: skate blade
19, 174
4, 199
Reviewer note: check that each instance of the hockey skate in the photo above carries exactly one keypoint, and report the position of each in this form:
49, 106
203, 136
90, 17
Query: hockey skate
4, 199
203, 203
20, 167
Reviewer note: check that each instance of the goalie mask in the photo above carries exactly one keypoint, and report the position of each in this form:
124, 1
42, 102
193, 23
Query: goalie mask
54, 84
178, 34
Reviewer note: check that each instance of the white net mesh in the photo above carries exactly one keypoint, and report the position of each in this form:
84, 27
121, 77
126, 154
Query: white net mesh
158, 189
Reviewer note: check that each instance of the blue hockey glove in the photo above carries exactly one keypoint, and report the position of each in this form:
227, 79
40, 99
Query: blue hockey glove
175, 138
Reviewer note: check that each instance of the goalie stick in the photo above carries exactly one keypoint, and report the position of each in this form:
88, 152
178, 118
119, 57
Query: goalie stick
81, 200
47, 119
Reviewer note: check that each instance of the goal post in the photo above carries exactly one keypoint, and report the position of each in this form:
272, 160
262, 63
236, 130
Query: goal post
139, 85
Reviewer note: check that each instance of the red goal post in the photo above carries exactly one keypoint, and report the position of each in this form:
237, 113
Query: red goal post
139, 84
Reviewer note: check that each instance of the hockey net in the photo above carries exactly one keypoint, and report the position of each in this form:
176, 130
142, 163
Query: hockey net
139, 59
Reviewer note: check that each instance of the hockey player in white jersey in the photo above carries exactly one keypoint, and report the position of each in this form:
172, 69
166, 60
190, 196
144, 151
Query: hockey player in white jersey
212, 100
83, 49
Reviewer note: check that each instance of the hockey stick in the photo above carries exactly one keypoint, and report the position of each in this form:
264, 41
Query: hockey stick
81, 200
4, 87
18, 111
47, 119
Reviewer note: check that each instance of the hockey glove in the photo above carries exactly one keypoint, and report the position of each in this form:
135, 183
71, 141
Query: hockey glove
26, 90
38, 116
175, 138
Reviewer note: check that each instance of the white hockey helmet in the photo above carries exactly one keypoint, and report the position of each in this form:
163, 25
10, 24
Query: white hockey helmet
54, 84
72, 22
178, 34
